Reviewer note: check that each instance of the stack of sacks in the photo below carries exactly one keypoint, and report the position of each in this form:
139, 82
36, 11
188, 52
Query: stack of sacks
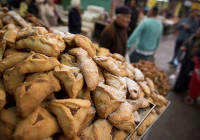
88, 17
65, 87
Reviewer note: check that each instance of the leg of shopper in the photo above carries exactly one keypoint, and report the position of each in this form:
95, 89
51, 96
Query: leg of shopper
136, 57
183, 79
178, 45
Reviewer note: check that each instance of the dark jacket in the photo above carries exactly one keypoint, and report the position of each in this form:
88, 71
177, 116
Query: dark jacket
192, 46
74, 21
114, 38
134, 20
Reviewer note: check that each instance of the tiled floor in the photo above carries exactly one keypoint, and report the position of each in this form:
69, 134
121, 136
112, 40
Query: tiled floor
180, 121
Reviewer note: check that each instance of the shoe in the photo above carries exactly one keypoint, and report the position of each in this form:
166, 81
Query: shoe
189, 100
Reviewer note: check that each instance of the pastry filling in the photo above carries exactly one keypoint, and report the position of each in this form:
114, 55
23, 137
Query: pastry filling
74, 111
39, 118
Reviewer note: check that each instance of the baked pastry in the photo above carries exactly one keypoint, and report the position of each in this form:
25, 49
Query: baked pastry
72, 115
158, 77
130, 70
141, 94
103, 52
38, 125
111, 65
14, 76
71, 78
8, 20
9, 116
129, 67
133, 88
86, 44
8, 122
12, 60
139, 76
11, 34
147, 122
2, 48
158, 100
161, 109
68, 60
88, 67
118, 57
69, 40
1, 24
2, 95
49, 44
119, 135
137, 118
107, 99
139, 103
49, 138
123, 118
101, 76
99, 130
30, 31
116, 82
63, 138
37, 63
11, 51
150, 84
134, 136
38, 89
18, 19
84, 94
12, 79
145, 88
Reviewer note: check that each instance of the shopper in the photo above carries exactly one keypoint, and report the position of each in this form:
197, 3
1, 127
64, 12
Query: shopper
186, 27
74, 18
191, 48
134, 15
147, 35
49, 13
114, 36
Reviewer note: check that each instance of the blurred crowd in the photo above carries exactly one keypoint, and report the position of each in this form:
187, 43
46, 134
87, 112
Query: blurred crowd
135, 32
43, 9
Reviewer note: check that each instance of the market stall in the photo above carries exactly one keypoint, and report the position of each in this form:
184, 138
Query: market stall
60, 86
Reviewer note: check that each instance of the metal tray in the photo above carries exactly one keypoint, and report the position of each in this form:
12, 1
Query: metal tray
147, 130
143, 113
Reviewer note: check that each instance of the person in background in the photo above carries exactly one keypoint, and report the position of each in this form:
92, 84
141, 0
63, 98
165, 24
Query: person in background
74, 18
186, 28
191, 47
147, 35
49, 13
134, 15
40, 6
23, 8
114, 36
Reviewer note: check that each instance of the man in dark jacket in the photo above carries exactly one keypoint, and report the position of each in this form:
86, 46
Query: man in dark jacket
114, 36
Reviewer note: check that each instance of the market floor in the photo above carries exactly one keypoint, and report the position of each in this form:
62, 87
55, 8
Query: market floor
180, 121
